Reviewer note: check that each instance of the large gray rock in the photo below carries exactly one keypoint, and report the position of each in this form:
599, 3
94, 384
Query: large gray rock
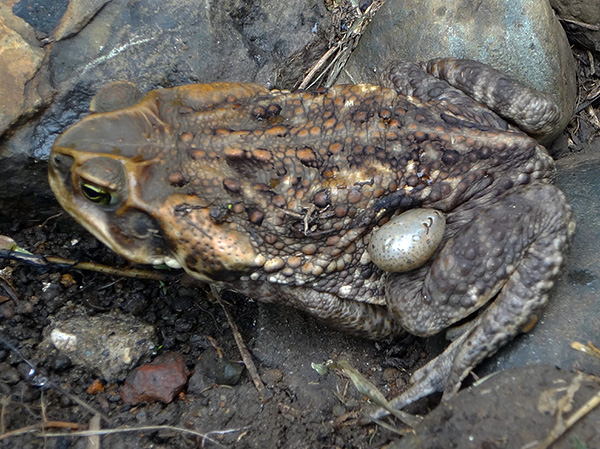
522, 39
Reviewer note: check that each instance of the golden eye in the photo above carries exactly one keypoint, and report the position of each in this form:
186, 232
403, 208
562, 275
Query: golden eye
96, 194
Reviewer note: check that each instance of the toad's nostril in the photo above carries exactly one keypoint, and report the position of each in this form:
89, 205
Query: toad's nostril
62, 162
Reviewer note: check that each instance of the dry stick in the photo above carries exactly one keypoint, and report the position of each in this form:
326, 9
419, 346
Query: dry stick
4, 401
246, 357
589, 349
355, 31
309, 76
9, 289
9, 250
587, 103
87, 433
588, 26
594, 117
571, 420
127, 272
42, 261
41, 426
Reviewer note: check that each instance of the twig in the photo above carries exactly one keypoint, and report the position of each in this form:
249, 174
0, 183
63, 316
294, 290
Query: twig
587, 103
87, 433
588, 26
570, 421
246, 357
589, 349
13, 252
9, 289
41, 426
4, 401
94, 440
315, 68
214, 344
342, 48
366, 387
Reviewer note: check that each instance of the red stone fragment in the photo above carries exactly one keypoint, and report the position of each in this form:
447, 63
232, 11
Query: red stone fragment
161, 380
96, 387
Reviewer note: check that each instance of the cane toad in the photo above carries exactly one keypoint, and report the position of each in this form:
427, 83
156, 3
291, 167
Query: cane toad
276, 194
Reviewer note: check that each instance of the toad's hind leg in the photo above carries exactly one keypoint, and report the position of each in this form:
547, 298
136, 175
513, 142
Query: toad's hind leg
509, 254
473, 90
532, 111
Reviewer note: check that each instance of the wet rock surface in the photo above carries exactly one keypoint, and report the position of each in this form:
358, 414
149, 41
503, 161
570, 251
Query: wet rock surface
160, 44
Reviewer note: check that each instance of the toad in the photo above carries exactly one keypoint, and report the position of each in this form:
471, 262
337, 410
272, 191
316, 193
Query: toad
278, 195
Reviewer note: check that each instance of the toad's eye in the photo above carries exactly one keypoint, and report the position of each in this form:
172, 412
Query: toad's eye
97, 194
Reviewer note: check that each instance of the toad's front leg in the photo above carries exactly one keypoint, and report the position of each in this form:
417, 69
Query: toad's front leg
508, 255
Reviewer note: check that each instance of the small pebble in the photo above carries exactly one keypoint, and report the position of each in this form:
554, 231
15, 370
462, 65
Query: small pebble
8, 374
228, 372
61, 362
162, 380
